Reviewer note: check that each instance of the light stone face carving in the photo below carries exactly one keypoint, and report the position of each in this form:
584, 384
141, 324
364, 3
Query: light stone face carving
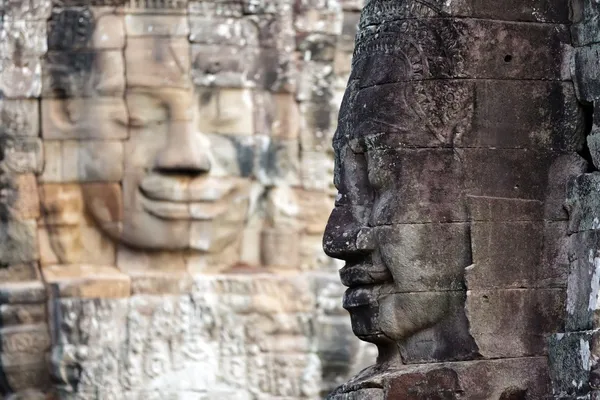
165, 180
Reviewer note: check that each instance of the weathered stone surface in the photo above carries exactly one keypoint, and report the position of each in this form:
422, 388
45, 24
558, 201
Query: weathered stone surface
27, 204
21, 82
571, 357
156, 25
19, 272
19, 241
23, 154
535, 259
226, 111
582, 291
20, 117
27, 10
27, 292
83, 161
225, 65
514, 322
534, 11
83, 74
86, 281
21, 314
144, 69
504, 378
443, 113
63, 244
582, 202
71, 118
511, 55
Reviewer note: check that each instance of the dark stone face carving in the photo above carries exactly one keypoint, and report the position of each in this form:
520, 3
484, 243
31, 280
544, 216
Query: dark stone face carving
447, 125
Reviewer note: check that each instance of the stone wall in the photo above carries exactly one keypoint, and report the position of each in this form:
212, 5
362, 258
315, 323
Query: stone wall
165, 179
575, 352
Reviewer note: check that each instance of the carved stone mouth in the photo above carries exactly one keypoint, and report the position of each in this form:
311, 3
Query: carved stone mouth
203, 199
187, 190
364, 273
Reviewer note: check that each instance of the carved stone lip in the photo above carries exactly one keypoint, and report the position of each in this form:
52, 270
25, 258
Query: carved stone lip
364, 273
204, 198
202, 211
178, 189
361, 296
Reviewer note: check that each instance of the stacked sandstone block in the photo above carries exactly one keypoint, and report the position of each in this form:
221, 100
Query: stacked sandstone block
240, 304
574, 353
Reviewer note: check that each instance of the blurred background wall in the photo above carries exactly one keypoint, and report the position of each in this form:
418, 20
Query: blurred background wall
165, 179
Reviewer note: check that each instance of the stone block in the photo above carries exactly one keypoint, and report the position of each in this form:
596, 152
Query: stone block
217, 8
279, 70
27, 292
316, 171
225, 65
226, 111
518, 255
77, 28
20, 117
83, 74
280, 248
162, 7
136, 262
83, 161
27, 10
94, 325
317, 126
278, 161
145, 69
27, 205
512, 51
102, 118
62, 204
586, 75
23, 314
582, 202
318, 16
314, 209
155, 106
23, 154
317, 47
421, 176
104, 202
511, 173
21, 81
418, 266
441, 113
315, 81
19, 272
86, 281
23, 37
582, 290
223, 31
514, 322
19, 242
504, 379
25, 340
156, 25
570, 362
531, 11
158, 283
64, 244
284, 119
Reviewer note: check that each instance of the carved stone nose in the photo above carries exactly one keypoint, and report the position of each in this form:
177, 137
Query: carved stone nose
186, 151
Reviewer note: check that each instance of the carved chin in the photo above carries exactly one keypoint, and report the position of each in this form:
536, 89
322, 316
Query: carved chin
402, 315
